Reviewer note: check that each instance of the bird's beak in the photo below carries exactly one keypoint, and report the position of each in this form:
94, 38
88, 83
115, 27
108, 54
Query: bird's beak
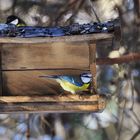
89, 75
49, 76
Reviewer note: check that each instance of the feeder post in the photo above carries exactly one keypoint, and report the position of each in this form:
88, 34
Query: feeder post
92, 65
0, 69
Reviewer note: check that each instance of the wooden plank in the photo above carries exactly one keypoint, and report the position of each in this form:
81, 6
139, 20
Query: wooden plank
9, 104
45, 56
73, 38
49, 109
49, 99
29, 82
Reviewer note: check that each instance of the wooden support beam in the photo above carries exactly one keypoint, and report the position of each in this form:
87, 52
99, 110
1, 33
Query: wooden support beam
92, 64
127, 58
69, 103
73, 38
1, 70
37, 108
68, 98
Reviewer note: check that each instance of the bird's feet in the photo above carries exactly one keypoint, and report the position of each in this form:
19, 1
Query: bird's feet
62, 94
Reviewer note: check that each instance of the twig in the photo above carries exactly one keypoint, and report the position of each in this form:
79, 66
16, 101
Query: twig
28, 127
66, 9
136, 117
136, 122
121, 121
13, 7
135, 135
76, 9
123, 59
93, 10
137, 10
132, 90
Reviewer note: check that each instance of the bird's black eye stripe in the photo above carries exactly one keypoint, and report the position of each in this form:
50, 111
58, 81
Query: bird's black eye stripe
87, 76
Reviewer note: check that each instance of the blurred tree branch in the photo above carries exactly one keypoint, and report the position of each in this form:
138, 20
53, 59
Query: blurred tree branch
67, 8
135, 135
92, 10
76, 10
123, 59
28, 127
137, 11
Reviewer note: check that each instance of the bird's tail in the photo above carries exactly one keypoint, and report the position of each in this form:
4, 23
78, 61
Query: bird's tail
49, 76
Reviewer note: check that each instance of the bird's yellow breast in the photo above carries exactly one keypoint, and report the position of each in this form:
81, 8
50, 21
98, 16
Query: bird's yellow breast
71, 87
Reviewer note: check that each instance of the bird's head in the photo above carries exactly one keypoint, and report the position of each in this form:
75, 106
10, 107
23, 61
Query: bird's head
86, 77
15, 20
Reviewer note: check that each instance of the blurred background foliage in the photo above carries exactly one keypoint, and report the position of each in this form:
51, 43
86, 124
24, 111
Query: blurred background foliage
121, 83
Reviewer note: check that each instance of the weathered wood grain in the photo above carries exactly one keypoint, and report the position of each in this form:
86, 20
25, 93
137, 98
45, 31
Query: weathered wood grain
92, 60
22, 64
54, 98
29, 82
74, 38
35, 108
50, 104
45, 56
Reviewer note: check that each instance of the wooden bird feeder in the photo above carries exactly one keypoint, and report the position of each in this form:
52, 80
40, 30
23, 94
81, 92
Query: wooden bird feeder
23, 60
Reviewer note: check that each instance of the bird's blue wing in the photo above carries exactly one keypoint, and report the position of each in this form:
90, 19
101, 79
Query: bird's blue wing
76, 80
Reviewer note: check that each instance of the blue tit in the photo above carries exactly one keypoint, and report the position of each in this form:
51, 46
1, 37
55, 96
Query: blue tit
72, 84
15, 20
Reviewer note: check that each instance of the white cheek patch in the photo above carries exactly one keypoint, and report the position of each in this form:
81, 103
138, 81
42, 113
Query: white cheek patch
15, 22
85, 79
